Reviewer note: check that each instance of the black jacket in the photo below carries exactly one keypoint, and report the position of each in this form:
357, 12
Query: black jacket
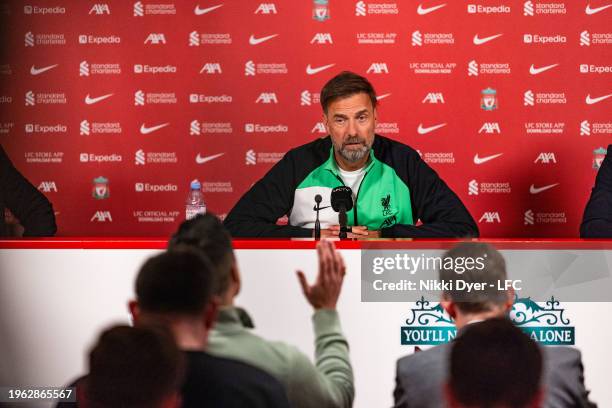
430, 199
29, 205
597, 219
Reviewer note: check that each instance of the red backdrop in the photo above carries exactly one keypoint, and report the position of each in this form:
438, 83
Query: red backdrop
111, 108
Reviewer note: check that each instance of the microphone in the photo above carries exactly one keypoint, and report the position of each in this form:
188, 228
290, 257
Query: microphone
342, 201
317, 231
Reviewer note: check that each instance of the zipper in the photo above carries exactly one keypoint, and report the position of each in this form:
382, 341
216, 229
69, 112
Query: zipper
357, 197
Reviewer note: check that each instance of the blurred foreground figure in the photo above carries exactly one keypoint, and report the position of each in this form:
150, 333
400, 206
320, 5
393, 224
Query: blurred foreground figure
597, 219
421, 376
494, 364
25, 202
134, 367
328, 382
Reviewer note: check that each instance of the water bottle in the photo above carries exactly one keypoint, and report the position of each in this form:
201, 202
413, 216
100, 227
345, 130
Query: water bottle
194, 204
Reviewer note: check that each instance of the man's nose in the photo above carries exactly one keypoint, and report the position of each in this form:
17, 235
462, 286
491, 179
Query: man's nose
352, 127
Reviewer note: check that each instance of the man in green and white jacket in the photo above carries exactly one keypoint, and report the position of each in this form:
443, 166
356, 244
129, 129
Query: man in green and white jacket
392, 187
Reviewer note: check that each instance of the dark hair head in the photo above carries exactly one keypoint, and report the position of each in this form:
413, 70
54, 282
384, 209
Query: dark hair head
207, 233
178, 281
133, 367
494, 364
343, 85
474, 262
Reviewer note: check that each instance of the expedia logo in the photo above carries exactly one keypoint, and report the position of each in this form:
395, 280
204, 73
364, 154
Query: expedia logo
544, 322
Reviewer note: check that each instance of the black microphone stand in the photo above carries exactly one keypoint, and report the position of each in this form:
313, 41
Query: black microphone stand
317, 230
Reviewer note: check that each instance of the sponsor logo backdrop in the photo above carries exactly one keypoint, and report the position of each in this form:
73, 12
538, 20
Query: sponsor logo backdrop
111, 108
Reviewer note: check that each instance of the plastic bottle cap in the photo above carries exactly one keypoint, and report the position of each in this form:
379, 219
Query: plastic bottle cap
195, 184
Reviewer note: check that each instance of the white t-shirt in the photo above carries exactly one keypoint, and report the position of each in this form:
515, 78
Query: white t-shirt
352, 179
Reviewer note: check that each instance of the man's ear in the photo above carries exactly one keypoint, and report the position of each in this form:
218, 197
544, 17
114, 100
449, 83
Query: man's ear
235, 276
325, 122
509, 299
210, 312
451, 401
449, 306
134, 311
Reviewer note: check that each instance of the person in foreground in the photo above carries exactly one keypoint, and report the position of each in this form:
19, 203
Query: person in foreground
493, 364
174, 289
597, 218
392, 188
25, 202
328, 383
420, 377
136, 367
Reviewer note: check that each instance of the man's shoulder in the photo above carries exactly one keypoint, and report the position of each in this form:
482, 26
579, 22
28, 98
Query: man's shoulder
384, 148
414, 363
560, 356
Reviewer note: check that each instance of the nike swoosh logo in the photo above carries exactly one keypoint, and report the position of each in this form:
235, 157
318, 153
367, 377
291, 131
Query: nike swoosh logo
590, 11
537, 190
201, 160
312, 71
146, 130
480, 41
379, 97
535, 71
422, 11
91, 101
591, 101
423, 131
480, 160
38, 71
198, 11
254, 41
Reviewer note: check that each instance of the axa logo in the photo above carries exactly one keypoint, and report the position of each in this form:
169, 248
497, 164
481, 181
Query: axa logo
490, 127
322, 38
101, 216
319, 127
156, 39
47, 186
546, 158
434, 97
211, 68
99, 9
266, 8
490, 217
267, 97
378, 68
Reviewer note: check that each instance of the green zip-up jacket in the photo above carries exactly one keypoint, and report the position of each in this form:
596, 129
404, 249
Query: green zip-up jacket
398, 189
327, 383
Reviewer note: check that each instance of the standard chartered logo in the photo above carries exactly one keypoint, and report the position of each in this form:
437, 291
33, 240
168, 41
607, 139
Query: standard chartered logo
305, 98
250, 158
585, 128
529, 218
30, 100
249, 68
360, 9
85, 129
194, 128
473, 68
29, 39
83, 68
528, 9
138, 9
417, 39
139, 158
139, 98
194, 39
585, 39
528, 98
473, 188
